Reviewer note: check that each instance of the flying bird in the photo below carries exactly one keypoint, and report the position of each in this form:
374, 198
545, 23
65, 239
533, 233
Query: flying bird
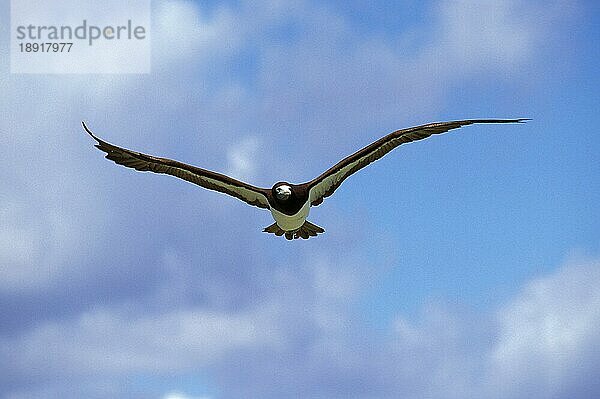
289, 203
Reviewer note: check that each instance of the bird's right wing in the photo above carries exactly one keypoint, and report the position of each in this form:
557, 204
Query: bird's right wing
205, 178
324, 185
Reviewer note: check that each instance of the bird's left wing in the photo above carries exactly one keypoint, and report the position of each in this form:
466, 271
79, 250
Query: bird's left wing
205, 178
324, 185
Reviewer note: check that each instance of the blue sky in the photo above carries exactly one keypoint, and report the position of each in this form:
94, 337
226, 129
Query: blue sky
465, 265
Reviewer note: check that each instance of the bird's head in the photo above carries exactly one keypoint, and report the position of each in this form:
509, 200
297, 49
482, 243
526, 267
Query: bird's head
282, 191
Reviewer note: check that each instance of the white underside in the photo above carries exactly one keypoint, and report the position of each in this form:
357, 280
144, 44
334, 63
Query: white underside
293, 222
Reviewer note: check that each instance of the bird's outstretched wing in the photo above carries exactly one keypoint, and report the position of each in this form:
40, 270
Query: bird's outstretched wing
205, 178
324, 185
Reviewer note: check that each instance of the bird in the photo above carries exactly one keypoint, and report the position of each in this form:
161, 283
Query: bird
289, 203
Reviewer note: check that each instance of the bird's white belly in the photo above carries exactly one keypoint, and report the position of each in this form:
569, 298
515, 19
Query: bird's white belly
291, 222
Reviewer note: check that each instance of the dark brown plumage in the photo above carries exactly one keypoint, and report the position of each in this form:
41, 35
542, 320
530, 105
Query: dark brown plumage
289, 211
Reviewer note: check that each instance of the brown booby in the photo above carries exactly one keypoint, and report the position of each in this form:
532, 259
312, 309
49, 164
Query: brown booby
289, 203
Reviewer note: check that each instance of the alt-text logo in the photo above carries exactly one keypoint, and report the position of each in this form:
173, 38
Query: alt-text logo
80, 36
85, 32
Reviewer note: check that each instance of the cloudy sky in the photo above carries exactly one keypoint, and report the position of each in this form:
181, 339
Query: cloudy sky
462, 266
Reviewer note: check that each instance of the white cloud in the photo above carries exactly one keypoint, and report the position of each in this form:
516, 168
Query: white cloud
97, 388
105, 342
42, 234
179, 395
242, 158
494, 37
184, 31
542, 341
475, 35
16, 242
548, 334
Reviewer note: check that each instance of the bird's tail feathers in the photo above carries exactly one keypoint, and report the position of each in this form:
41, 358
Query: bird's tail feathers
306, 231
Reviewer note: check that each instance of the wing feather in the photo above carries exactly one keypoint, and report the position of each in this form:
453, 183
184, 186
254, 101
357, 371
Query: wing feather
325, 184
204, 178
